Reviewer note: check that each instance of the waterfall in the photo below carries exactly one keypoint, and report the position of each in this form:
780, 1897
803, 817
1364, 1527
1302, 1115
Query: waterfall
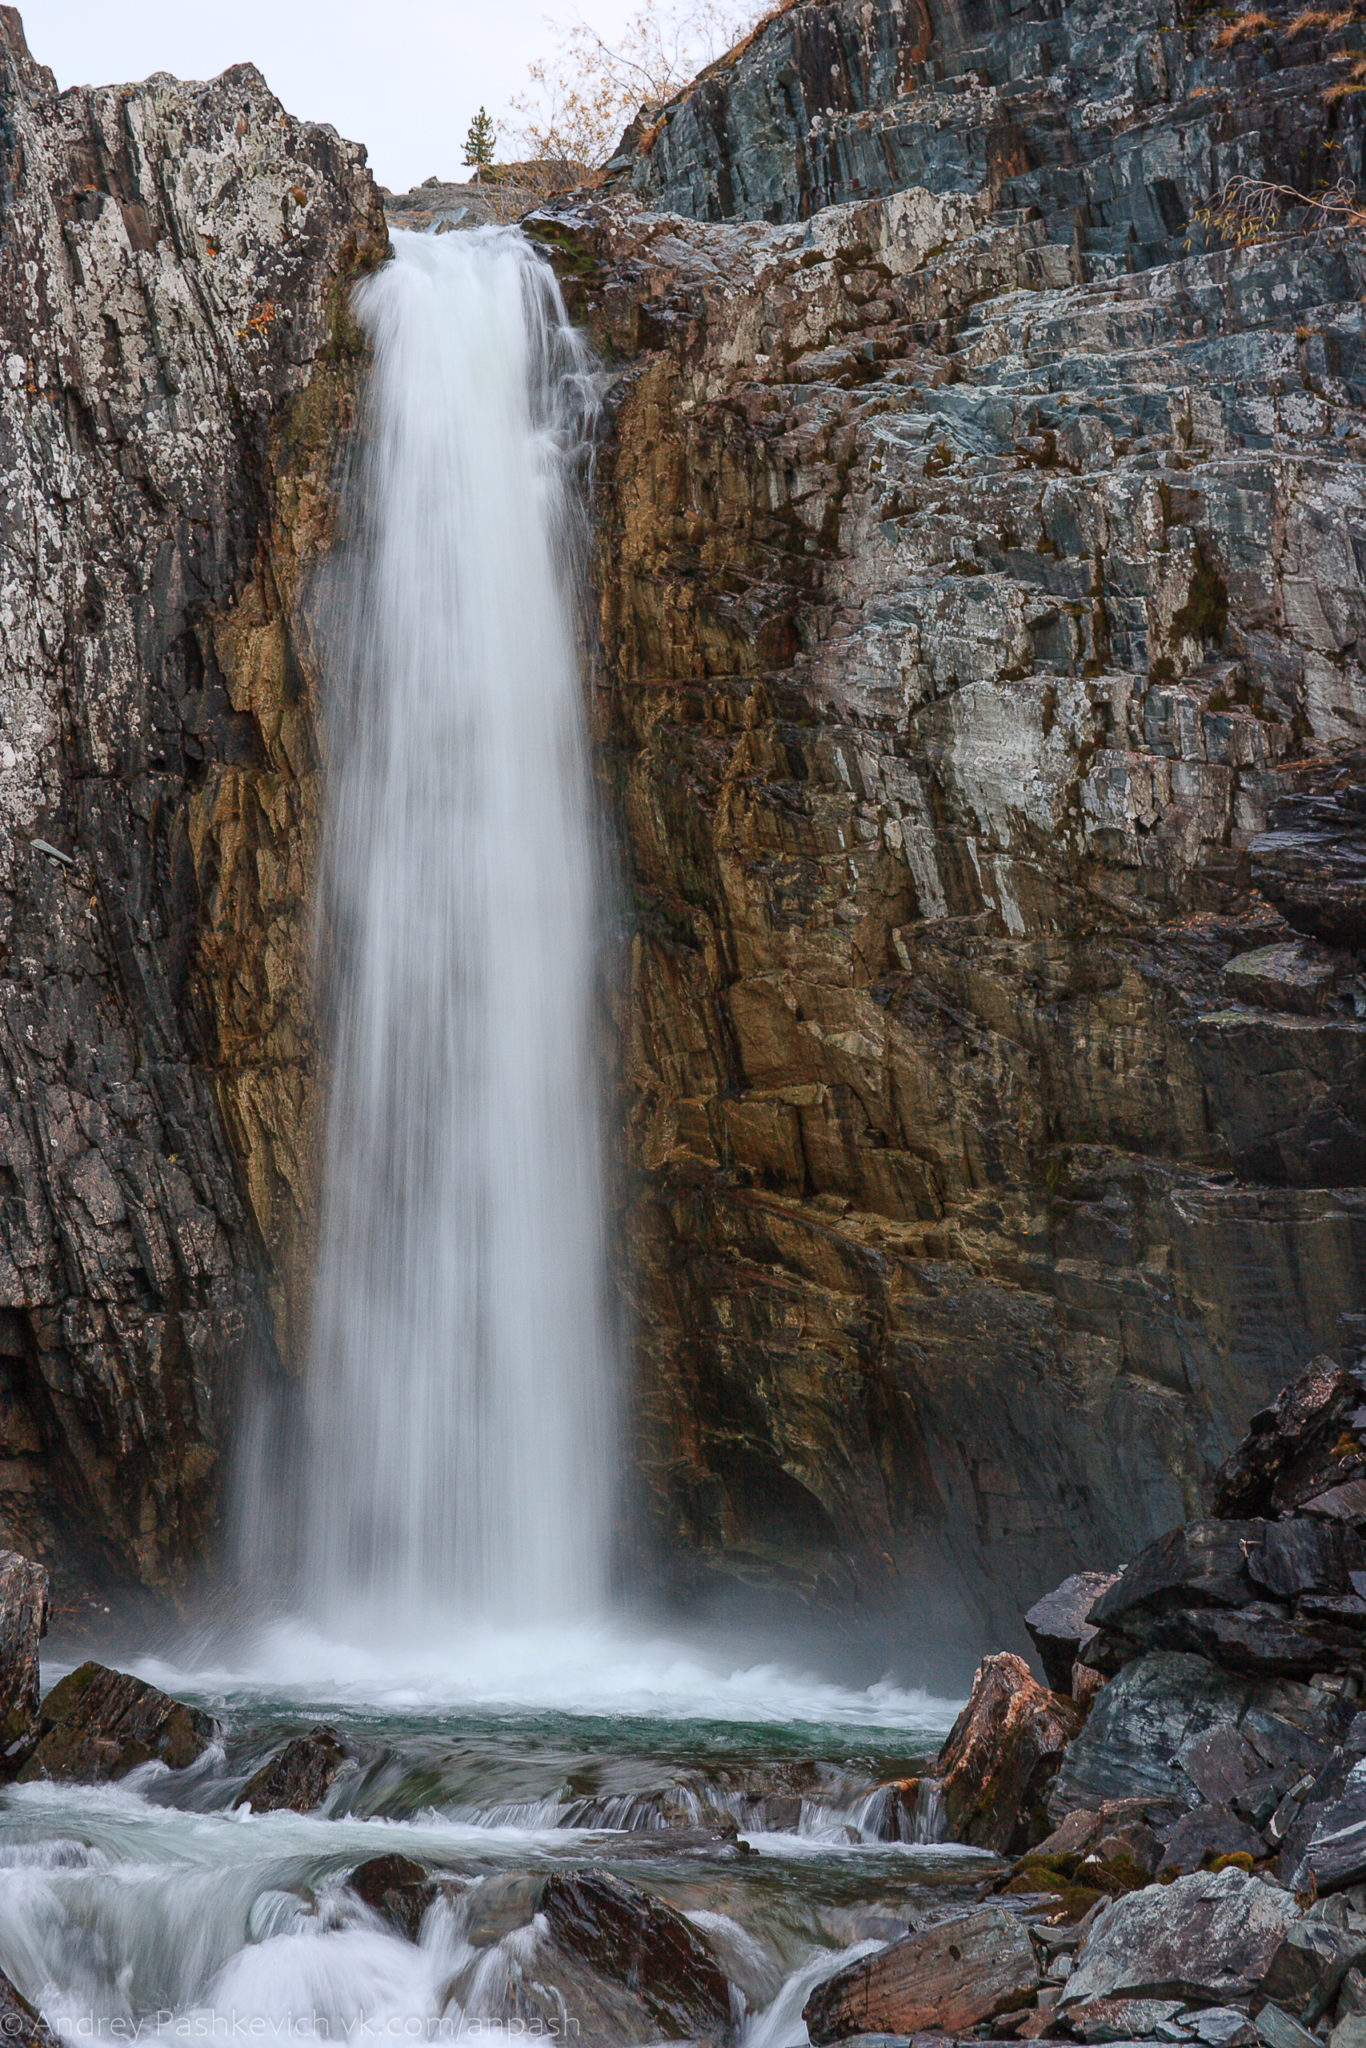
460, 1442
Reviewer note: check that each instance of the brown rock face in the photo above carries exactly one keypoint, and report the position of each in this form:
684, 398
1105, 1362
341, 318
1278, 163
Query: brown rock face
299, 1778
944, 1980
23, 1624
178, 369
979, 599
1003, 1750
98, 1723
642, 1944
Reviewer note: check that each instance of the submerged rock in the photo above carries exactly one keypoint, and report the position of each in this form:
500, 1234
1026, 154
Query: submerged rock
1210, 1938
1000, 1756
640, 1943
299, 1776
944, 1979
396, 1887
23, 1624
97, 1723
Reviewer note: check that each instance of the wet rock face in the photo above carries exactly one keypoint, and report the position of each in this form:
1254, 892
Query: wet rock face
18, 2020
979, 598
641, 1944
968, 1968
23, 1624
175, 370
96, 1723
299, 1778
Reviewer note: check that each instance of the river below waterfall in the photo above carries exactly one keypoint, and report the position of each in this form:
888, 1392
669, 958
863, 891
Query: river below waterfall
749, 1799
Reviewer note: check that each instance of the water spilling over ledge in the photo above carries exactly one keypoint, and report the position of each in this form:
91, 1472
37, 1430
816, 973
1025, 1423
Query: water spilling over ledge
459, 1454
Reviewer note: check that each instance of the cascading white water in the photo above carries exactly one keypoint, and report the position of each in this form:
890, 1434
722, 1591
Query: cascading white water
461, 1440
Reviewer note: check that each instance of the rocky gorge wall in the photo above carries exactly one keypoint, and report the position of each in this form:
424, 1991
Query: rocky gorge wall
981, 574
980, 567
178, 380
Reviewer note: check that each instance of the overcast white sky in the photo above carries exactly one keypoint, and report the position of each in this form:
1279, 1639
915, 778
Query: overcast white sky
401, 76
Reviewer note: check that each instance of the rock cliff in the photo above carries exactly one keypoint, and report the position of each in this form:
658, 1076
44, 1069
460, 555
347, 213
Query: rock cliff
980, 559
176, 371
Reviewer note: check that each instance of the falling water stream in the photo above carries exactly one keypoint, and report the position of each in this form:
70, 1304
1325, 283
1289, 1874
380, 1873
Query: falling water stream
454, 1475
461, 1453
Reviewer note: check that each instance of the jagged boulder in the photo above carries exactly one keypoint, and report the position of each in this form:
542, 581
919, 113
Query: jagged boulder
23, 1624
298, 1777
944, 1979
1271, 1598
1210, 1938
97, 1723
1308, 1441
1060, 1625
1176, 1727
641, 1944
1335, 1853
1000, 1756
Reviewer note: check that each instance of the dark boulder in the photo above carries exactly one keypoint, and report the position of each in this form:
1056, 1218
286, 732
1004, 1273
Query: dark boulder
635, 1941
21, 2025
23, 1624
1059, 1624
1308, 1441
298, 1777
944, 1979
1204, 1835
1310, 1966
1000, 1756
97, 1723
1276, 1598
1291, 974
1138, 1727
396, 1888
1335, 1854
1209, 1938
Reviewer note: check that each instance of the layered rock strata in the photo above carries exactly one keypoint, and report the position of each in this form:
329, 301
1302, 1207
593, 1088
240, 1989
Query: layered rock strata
177, 372
981, 600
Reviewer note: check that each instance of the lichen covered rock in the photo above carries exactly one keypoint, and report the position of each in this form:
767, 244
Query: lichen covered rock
176, 369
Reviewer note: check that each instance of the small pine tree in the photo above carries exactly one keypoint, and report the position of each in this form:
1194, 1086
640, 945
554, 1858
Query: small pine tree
479, 144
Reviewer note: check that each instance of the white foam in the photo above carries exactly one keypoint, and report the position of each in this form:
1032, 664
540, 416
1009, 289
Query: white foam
597, 1668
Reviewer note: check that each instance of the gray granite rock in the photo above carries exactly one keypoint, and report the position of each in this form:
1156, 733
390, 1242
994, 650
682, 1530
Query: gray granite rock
171, 269
1131, 1745
1205, 1938
1335, 1854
